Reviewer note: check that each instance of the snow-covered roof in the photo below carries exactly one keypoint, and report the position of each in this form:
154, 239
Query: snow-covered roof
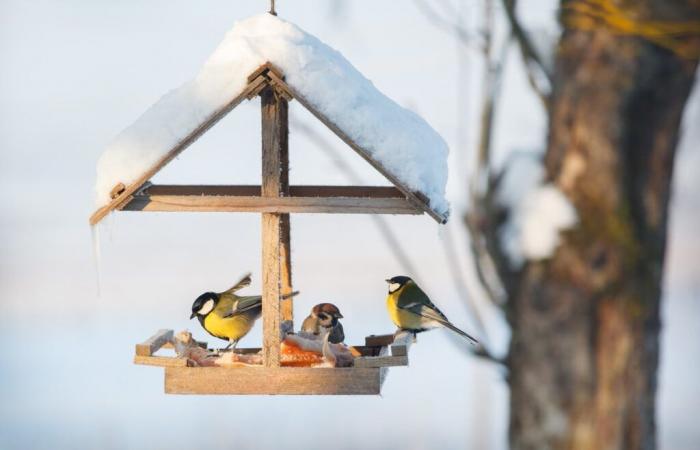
401, 142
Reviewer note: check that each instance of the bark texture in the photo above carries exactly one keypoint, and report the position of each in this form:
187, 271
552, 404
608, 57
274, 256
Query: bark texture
585, 346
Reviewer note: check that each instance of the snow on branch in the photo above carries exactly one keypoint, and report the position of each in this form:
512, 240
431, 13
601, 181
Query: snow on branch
537, 212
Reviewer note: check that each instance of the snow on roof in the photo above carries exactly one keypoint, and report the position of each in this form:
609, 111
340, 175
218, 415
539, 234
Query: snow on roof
397, 138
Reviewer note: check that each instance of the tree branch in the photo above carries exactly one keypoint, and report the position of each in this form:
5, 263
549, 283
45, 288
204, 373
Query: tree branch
468, 39
532, 60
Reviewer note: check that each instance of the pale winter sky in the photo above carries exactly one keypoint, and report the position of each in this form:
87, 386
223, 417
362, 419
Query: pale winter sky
75, 73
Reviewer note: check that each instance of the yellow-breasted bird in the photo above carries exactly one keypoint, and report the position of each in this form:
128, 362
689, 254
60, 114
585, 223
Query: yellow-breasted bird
226, 315
411, 309
324, 317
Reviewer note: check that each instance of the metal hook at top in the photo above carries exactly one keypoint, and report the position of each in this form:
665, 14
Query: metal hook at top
272, 8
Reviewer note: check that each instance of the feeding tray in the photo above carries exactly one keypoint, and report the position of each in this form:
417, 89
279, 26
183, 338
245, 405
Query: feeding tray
365, 377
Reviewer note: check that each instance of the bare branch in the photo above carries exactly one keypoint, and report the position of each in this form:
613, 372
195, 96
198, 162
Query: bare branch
460, 285
479, 220
533, 61
469, 39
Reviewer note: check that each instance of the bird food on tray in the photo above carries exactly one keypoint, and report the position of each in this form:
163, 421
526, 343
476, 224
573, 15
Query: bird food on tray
297, 350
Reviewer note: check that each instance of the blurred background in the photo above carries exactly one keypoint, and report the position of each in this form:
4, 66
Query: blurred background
74, 302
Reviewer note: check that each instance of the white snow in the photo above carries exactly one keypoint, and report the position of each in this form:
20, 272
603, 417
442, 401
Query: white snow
398, 138
537, 214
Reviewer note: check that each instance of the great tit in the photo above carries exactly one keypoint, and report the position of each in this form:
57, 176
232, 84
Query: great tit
324, 317
227, 316
411, 309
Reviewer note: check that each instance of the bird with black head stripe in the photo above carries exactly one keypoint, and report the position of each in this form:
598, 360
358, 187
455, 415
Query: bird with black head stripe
226, 315
411, 309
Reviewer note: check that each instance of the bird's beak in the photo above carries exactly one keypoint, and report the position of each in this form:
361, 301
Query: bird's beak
192, 315
339, 316
388, 281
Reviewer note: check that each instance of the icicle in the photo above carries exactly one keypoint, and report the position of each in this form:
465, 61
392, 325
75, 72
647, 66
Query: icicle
109, 226
442, 232
96, 257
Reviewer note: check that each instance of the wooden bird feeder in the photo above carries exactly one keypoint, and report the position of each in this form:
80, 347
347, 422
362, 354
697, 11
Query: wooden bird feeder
275, 200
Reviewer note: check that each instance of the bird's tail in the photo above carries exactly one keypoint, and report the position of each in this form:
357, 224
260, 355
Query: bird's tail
449, 326
240, 284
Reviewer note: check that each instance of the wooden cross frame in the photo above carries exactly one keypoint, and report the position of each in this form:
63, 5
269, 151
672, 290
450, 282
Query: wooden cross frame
275, 199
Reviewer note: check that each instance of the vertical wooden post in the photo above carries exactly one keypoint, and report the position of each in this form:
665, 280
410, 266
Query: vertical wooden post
285, 223
275, 181
286, 268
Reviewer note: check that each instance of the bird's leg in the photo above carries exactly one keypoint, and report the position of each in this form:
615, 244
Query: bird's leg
235, 344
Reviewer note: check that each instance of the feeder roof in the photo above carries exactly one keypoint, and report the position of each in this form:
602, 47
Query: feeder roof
410, 152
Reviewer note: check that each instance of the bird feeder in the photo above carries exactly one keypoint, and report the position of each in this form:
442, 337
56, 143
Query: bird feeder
275, 200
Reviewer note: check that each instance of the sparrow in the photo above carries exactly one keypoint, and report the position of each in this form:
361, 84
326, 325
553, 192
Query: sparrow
323, 319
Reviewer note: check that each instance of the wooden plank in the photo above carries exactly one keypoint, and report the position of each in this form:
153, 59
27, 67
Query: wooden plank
273, 381
125, 196
287, 304
402, 343
381, 360
154, 343
169, 345
254, 190
274, 139
379, 340
268, 66
280, 86
161, 361
271, 289
417, 198
314, 205
260, 83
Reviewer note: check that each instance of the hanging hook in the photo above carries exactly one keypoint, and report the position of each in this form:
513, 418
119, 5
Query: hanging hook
272, 8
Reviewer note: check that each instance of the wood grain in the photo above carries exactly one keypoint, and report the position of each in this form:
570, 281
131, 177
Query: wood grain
273, 381
154, 343
379, 340
161, 361
274, 141
255, 190
382, 359
287, 304
278, 205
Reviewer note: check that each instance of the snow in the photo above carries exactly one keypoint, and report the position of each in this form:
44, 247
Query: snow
537, 212
399, 139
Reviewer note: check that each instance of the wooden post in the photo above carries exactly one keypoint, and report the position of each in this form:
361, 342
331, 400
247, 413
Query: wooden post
274, 178
285, 221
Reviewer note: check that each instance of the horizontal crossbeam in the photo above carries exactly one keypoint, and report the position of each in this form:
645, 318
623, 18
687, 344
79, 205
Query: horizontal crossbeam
255, 190
302, 199
230, 203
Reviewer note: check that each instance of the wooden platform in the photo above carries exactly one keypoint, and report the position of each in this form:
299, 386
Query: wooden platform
274, 380
365, 378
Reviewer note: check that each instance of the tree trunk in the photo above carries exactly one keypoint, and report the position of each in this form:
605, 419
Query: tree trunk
585, 343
